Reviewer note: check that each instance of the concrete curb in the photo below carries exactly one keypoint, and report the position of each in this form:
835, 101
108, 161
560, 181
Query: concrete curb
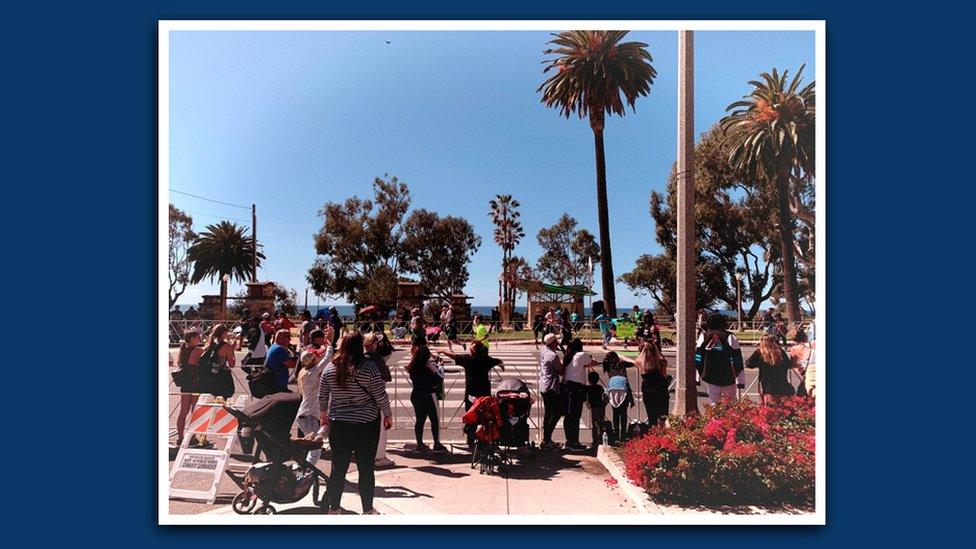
615, 466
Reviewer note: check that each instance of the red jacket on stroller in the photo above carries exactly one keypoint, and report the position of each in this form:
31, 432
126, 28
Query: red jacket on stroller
485, 413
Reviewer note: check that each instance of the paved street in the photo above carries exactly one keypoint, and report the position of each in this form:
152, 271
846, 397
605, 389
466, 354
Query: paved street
521, 361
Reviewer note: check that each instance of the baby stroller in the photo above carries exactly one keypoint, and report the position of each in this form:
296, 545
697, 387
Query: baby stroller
503, 422
269, 420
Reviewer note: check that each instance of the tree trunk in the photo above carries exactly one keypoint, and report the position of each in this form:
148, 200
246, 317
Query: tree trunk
606, 261
785, 223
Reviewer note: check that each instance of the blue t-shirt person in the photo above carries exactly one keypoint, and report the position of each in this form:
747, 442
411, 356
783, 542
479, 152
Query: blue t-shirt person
275, 362
603, 321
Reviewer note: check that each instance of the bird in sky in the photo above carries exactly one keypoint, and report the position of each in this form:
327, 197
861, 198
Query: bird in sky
388, 42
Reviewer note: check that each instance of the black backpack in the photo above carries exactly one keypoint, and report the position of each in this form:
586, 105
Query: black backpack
261, 381
713, 358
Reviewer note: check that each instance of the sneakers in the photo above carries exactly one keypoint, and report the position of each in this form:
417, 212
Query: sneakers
575, 446
440, 449
421, 447
372, 511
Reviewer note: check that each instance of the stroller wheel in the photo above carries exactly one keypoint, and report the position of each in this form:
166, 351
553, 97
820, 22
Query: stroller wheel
244, 502
265, 510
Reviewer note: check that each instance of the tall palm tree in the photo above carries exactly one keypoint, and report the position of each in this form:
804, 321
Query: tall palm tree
504, 213
222, 249
593, 69
772, 133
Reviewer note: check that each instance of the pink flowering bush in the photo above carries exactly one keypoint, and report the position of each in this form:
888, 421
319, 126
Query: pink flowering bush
735, 453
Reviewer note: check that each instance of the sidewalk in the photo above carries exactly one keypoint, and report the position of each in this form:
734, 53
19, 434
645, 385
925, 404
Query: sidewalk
446, 484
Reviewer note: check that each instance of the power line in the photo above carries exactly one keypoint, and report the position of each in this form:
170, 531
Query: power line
246, 221
210, 199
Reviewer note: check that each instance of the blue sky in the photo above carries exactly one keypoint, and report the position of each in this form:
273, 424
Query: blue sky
291, 120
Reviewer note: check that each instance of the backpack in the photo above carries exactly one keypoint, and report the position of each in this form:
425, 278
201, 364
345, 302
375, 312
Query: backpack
713, 359
261, 382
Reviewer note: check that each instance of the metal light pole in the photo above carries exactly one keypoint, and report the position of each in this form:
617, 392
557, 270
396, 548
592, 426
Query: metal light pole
686, 395
738, 297
306, 298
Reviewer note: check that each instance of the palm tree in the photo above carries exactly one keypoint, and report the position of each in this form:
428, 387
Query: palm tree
503, 210
772, 133
223, 249
592, 71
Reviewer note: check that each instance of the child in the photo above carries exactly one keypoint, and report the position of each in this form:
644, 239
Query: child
595, 400
619, 396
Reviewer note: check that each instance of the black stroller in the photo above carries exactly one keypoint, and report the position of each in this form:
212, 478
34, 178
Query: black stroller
508, 433
268, 420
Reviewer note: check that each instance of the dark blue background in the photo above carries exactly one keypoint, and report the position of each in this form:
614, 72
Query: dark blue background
79, 219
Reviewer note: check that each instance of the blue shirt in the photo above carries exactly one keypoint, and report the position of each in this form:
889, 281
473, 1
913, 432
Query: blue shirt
603, 322
275, 361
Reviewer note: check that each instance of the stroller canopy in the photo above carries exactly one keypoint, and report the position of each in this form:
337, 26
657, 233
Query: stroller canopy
275, 412
511, 386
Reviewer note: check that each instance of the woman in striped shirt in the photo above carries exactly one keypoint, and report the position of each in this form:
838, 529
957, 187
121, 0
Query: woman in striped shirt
352, 401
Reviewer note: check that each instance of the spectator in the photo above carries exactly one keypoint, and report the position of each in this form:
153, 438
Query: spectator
614, 366
620, 397
718, 360
597, 403
603, 322
574, 321
338, 326
378, 349
352, 399
305, 329
774, 367
267, 328
477, 366
418, 328
313, 361
653, 370
575, 364
426, 381
189, 355
550, 368
279, 355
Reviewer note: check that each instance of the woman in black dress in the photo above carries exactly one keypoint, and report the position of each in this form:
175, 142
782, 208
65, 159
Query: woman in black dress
774, 368
653, 370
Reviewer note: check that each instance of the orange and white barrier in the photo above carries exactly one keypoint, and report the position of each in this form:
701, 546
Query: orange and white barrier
208, 421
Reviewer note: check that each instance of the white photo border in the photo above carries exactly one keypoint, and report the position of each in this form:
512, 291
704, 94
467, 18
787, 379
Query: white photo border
818, 517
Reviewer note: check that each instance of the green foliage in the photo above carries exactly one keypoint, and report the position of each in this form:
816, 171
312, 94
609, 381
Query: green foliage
222, 249
505, 214
734, 224
439, 249
772, 139
364, 246
772, 131
657, 276
181, 236
565, 252
592, 70
357, 238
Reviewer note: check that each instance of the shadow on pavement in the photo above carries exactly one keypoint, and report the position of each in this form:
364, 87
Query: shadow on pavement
439, 471
543, 467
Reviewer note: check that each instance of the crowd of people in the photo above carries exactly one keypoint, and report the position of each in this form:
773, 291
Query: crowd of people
342, 375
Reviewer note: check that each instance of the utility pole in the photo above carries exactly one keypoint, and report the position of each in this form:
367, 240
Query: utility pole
686, 395
254, 237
